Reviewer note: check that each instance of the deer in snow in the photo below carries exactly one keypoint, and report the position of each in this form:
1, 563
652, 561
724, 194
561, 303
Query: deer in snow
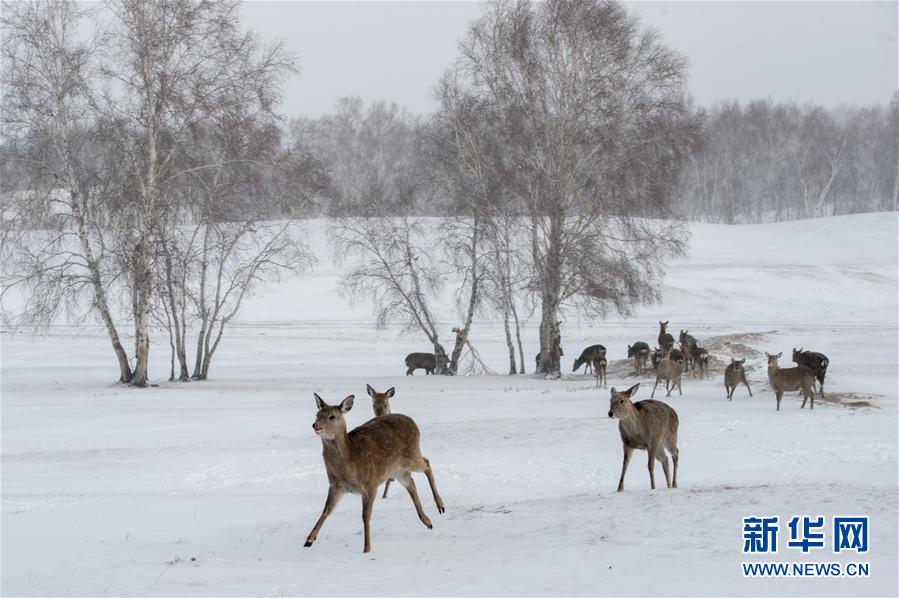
599, 368
424, 361
687, 346
640, 352
817, 362
647, 425
734, 374
588, 355
380, 403
666, 340
359, 461
671, 371
790, 379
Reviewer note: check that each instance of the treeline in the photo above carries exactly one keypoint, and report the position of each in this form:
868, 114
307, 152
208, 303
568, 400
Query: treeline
767, 161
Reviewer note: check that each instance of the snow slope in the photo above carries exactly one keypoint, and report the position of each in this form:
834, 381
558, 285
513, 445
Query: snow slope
109, 490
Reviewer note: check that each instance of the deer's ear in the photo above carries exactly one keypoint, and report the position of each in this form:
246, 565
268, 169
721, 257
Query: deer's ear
779, 354
347, 403
370, 390
319, 402
742, 361
632, 390
390, 392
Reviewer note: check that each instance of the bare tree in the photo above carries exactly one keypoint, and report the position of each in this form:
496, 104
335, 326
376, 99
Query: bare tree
47, 104
593, 112
177, 65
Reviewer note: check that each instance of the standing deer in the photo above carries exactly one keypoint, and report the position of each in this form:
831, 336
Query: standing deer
360, 461
700, 359
587, 356
671, 371
425, 361
380, 403
599, 367
688, 346
733, 375
666, 341
817, 362
790, 379
640, 352
648, 425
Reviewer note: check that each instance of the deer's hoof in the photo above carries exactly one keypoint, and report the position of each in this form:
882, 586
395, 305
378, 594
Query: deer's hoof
441, 509
307, 544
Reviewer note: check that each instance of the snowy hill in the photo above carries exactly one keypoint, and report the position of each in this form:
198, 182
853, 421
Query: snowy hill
210, 488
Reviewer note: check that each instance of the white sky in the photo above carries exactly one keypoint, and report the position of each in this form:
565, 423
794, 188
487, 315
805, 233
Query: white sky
828, 53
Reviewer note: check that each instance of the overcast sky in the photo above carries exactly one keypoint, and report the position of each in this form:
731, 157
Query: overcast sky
827, 53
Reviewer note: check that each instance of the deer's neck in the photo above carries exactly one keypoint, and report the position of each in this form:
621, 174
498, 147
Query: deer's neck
629, 422
336, 450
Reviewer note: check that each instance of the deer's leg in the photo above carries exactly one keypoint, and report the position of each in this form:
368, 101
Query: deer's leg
779, 396
680, 391
425, 466
368, 500
747, 387
663, 458
333, 498
386, 486
406, 481
804, 398
652, 465
675, 454
653, 394
627, 459
409, 371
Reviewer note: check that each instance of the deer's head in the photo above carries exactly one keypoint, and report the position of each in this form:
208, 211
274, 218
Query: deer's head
772, 359
663, 326
329, 422
737, 364
380, 401
620, 402
797, 355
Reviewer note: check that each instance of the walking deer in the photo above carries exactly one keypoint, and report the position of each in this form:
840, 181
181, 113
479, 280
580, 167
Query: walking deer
733, 375
647, 425
599, 368
588, 355
666, 341
380, 403
424, 361
790, 379
671, 371
817, 362
688, 346
361, 460
640, 352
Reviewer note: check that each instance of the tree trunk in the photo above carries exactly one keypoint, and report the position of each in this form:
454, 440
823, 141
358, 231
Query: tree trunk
521, 360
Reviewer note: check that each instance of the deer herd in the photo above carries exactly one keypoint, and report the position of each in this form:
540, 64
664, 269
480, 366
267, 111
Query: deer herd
386, 448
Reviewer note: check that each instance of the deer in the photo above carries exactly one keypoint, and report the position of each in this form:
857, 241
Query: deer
599, 368
666, 341
700, 359
425, 361
687, 346
380, 403
640, 352
537, 359
733, 375
588, 355
359, 461
647, 425
671, 371
817, 362
790, 379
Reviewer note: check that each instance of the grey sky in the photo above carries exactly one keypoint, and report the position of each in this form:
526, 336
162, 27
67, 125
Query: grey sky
827, 53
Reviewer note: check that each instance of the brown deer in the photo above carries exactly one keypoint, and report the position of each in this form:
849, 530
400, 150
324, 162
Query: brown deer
424, 361
790, 379
640, 352
817, 362
666, 341
361, 460
648, 425
599, 368
587, 357
380, 403
733, 375
671, 371
701, 360
688, 346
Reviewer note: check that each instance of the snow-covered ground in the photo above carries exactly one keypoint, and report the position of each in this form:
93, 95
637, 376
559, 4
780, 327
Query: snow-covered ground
210, 488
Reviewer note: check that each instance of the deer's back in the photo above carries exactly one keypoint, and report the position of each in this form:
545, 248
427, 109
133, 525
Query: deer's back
654, 421
790, 378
